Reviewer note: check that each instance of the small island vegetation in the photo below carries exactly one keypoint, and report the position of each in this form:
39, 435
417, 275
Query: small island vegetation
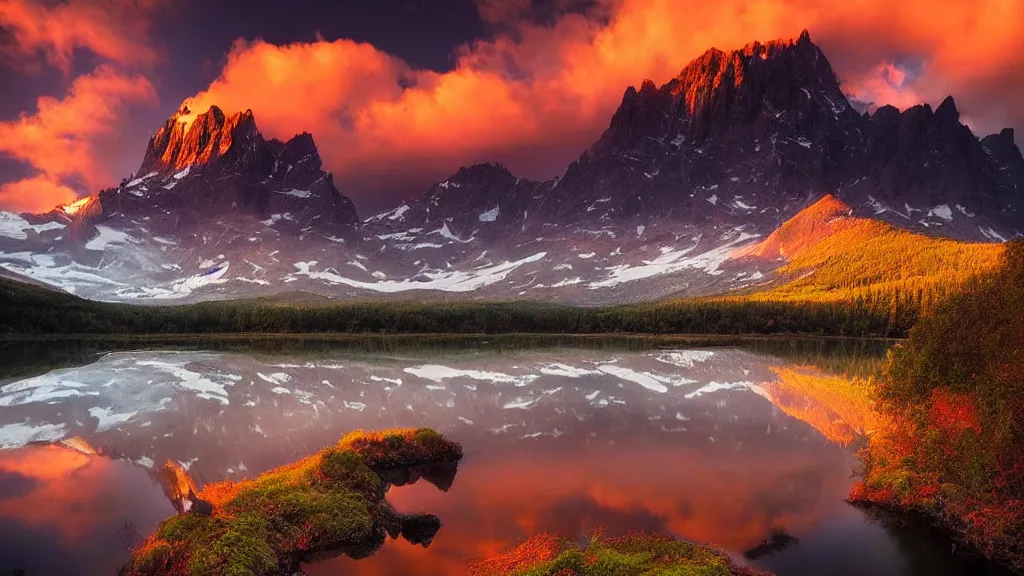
633, 555
320, 506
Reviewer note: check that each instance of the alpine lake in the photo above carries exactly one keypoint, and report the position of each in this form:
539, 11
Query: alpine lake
747, 444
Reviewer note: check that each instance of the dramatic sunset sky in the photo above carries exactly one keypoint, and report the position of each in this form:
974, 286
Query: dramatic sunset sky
400, 93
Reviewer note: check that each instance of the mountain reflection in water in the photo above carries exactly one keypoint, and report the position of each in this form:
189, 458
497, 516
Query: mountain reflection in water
722, 446
63, 512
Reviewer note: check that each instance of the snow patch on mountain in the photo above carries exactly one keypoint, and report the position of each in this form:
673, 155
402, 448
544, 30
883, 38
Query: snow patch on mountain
490, 215
445, 232
671, 261
19, 434
274, 219
446, 281
520, 403
296, 193
140, 180
14, 226
43, 268
392, 215
177, 289
991, 234
568, 282
942, 211
107, 237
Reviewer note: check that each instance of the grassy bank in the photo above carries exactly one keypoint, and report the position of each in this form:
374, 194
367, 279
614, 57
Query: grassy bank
328, 503
953, 399
637, 555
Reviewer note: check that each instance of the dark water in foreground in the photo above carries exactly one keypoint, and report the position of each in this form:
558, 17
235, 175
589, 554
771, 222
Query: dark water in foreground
700, 444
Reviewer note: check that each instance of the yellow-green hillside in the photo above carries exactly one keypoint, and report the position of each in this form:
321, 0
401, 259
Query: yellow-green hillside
832, 256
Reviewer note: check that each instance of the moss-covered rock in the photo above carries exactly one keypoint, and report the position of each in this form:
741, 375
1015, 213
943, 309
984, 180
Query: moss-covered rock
330, 502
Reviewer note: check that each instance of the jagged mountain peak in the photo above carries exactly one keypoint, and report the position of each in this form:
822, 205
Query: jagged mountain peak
482, 173
947, 110
212, 166
799, 61
301, 142
195, 139
1004, 140
720, 92
766, 125
188, 114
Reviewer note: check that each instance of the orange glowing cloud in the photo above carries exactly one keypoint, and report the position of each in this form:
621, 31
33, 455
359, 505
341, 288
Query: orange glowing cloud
885, 84
35, 194
113, 29
52, 501
60, 139
535, 97
64, 491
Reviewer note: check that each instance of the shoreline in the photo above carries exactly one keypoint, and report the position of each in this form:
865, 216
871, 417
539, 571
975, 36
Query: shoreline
945, 527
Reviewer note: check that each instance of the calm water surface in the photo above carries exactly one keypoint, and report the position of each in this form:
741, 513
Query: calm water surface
712, 445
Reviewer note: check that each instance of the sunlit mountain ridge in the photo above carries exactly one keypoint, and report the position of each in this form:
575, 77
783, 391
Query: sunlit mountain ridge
826, 254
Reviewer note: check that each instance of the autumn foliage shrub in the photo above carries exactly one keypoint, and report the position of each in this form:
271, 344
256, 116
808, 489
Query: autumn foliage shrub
954, 399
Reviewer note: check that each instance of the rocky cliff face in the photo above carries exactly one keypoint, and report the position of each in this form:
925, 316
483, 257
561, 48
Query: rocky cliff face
481, 201
202, 140
208, 166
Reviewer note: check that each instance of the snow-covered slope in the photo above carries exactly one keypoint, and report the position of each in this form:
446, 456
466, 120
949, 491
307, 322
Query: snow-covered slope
231, 257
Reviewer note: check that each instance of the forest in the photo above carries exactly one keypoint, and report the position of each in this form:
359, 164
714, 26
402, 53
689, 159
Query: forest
31, 310
880, 289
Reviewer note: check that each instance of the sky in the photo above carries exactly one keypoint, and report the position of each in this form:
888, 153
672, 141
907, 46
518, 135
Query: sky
398, 94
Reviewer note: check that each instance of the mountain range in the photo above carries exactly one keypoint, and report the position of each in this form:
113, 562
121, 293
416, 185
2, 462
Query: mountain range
681, 195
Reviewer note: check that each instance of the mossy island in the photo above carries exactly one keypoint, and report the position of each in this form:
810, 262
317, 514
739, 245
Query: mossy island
325, 505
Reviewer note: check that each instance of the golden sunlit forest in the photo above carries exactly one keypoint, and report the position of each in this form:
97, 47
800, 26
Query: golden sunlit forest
833, 257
